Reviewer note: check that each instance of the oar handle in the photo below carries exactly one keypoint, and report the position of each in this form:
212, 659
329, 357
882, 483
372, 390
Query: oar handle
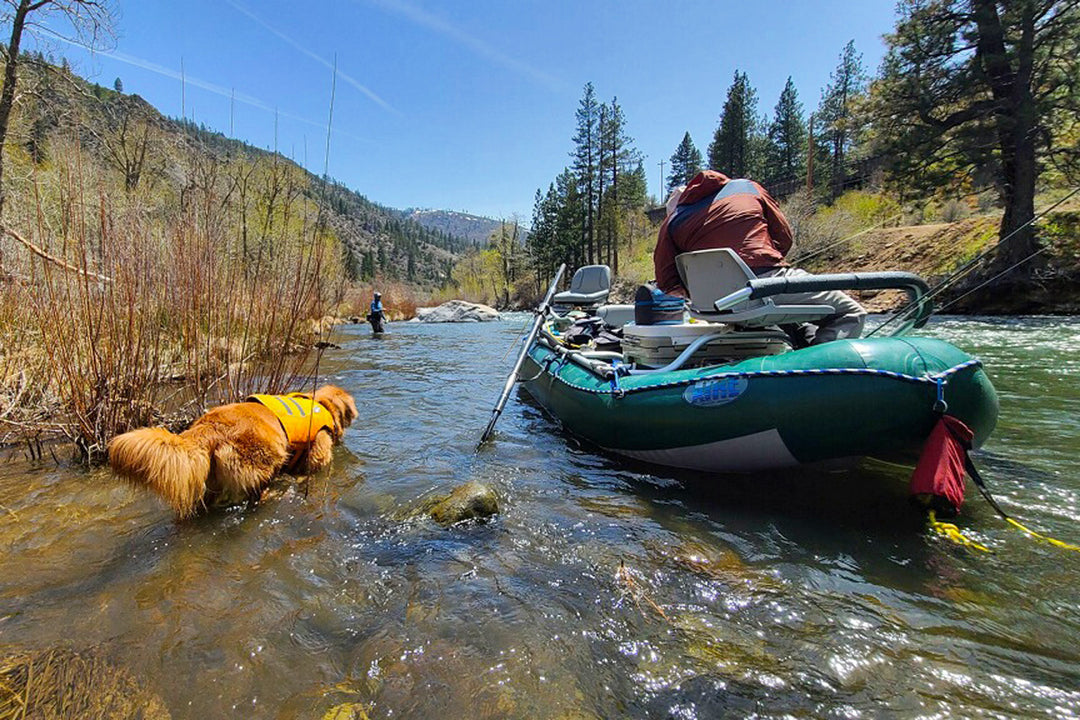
537, 323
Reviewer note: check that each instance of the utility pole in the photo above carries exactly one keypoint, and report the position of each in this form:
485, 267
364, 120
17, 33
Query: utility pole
660, 194
183, 91
232, 111
330, 122
810, 157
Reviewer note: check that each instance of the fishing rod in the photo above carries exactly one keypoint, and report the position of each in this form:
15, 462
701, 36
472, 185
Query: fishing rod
970, 265
538, 322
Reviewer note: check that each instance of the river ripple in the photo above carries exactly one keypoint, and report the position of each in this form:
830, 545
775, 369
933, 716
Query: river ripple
602, 590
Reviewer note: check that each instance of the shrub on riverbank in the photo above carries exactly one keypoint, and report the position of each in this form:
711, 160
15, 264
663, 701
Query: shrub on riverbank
126, 309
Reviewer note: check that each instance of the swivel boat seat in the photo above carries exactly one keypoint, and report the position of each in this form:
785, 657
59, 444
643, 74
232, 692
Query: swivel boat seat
589, 288
709, 275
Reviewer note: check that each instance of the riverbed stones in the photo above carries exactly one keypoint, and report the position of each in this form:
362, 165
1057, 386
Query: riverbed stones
471, 501
457, 311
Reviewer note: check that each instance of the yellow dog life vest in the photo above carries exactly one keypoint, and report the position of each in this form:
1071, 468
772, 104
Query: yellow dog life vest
300, 416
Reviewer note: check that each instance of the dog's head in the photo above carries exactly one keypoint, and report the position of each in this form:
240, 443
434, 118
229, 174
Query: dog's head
341, 407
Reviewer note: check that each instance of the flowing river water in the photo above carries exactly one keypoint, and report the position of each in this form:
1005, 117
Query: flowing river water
601, 590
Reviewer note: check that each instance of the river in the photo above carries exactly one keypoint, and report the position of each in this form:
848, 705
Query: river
601, 590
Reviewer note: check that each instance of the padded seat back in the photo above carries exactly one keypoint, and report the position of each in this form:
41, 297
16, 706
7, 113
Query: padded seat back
590, 279
709, 275
589, 286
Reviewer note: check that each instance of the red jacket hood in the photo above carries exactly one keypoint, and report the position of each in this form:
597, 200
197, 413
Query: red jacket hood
705, 183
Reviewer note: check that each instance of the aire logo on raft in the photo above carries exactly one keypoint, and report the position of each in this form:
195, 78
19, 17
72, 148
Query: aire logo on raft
710, 393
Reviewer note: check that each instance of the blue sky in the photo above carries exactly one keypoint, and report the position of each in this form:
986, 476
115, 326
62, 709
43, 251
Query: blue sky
468, 105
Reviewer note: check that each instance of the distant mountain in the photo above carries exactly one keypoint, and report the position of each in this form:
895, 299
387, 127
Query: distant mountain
474, 228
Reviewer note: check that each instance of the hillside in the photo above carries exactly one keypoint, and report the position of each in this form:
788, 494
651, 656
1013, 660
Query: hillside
153, 153
935, 251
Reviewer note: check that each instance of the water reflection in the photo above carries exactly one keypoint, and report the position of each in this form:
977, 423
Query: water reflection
603, 589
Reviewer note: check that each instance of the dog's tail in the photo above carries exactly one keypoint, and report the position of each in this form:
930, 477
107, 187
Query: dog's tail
176, 467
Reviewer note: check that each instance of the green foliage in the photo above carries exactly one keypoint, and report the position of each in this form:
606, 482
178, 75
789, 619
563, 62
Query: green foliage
685, 163
982, 91
861, 209
785, 157
838, 124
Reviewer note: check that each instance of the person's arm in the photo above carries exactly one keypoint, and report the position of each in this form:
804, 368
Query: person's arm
779, 228
667, 275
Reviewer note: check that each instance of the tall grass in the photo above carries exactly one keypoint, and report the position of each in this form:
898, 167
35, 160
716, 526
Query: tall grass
138, 311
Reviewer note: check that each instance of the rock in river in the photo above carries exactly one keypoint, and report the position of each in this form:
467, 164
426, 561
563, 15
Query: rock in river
457, 311
471, 501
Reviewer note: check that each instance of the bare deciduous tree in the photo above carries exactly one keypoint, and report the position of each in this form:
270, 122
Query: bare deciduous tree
127, 141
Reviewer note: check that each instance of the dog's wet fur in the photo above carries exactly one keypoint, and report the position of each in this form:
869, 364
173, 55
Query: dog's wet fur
227, 456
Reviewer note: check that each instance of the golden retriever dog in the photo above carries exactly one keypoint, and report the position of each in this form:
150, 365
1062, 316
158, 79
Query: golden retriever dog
230, 454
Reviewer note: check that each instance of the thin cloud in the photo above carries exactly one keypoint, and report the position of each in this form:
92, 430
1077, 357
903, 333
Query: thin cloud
317, 58
442, 27
199, 83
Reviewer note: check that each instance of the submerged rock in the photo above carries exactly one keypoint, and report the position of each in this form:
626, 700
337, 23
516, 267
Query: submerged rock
471, 501
457, 311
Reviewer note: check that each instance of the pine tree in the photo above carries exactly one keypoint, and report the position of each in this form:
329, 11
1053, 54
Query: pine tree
836, 116
569, 218
621, 153
737, 143
585, 156
981, 86
785, 160
685, 163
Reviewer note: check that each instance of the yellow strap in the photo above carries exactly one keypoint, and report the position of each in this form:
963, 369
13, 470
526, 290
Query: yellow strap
1044, 538
953, 533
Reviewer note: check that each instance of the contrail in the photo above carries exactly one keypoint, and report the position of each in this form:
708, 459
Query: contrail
438, 25
199, 83
317, 58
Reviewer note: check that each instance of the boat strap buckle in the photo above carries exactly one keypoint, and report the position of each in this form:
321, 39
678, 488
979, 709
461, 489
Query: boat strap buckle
940, 406
616, 391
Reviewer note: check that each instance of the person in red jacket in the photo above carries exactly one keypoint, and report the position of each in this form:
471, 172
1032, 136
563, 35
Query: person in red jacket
714, 211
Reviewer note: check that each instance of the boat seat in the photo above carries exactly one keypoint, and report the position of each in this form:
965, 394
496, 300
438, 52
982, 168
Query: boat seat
615, 316
709, 275
589, 286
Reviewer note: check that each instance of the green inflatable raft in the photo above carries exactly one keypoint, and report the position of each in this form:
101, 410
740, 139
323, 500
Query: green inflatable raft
844, 400
718, 386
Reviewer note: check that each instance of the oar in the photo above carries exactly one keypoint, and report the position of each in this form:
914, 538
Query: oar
538, 321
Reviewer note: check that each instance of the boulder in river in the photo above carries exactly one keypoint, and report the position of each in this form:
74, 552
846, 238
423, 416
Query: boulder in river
471, 501
457, 311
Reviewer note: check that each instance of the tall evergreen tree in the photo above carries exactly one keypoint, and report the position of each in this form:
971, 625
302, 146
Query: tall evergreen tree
569, 218
785, 160
621, 153
736, 146
977, 85
836, 116
586, 155
685, 163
